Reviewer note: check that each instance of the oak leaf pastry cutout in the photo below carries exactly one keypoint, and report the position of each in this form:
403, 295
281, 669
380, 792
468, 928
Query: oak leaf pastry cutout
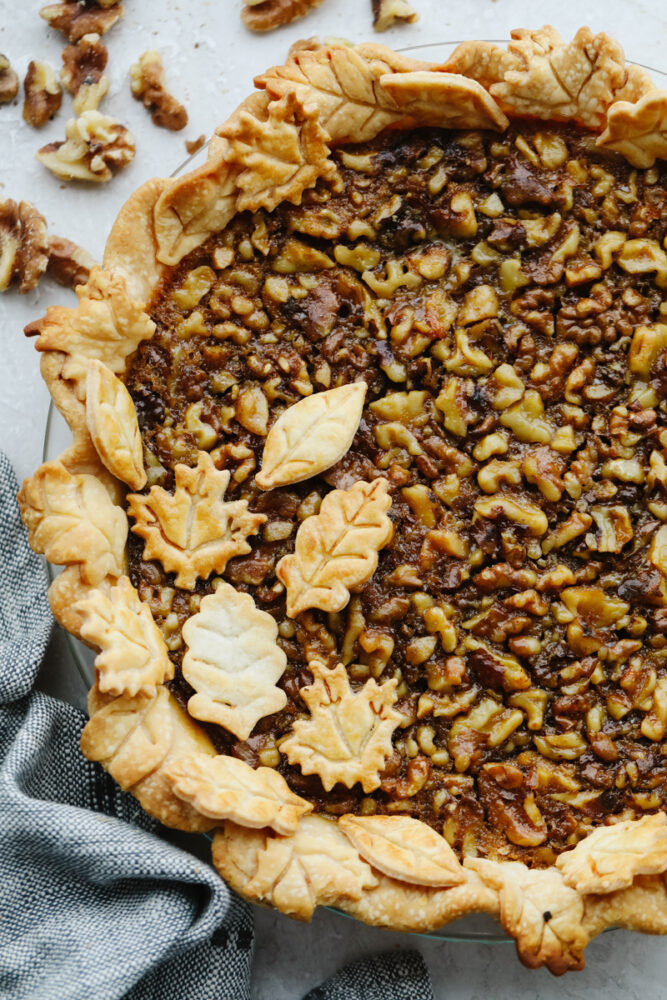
310, 436
318, 865
265, 15
225, 787
540, 911
638, 131
337, 549
112, 423
71, 519
193, 531
348, 735
404, 848
233, 662
610, 857
280, 153
132, 656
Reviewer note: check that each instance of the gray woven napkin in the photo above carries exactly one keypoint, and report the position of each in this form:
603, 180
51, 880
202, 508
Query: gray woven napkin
92, 903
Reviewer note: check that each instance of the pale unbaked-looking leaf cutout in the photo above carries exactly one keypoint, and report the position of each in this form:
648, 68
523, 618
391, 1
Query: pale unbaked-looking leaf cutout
316, 866
610, 857
72, 519
233, 662
227, 788
133, 657
638, 131
311, 436
348, 735
404, 848
113, 426
337, 549
193, 532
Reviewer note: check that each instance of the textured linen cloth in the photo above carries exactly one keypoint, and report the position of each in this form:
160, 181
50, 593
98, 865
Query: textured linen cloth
92, 903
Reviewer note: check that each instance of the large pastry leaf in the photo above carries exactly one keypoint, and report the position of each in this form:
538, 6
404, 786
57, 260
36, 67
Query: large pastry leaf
404, 848
113, 426
610, 857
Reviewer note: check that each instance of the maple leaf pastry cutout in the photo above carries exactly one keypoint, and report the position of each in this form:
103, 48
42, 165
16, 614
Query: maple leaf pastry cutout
193, 531
348, 735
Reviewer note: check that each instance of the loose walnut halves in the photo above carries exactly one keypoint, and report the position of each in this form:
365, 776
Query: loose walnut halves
9, 81
43, 94
23, 245
95, 145
147, 83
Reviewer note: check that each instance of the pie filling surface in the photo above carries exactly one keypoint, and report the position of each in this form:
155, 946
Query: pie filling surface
501, 298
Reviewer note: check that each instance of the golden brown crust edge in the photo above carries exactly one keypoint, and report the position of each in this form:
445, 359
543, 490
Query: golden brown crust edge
319, 98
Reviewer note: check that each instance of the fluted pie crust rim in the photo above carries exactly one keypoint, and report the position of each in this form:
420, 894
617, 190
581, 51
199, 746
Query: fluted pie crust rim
394, 872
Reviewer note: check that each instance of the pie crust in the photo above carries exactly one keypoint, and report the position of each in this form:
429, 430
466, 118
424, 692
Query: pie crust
392, 871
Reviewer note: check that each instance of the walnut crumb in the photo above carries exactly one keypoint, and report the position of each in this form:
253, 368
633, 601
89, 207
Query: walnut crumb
9, 81
194, 145
95, 145
265, 15
43, 94
69, 264
76, 19
386, 13
23, 245
148, 85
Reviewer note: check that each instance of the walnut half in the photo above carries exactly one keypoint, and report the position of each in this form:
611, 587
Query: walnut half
77, 19
95, 145
9, 81
23, 245
43, 94
148, 85
83, 72
265, 15
386, 13
69, 264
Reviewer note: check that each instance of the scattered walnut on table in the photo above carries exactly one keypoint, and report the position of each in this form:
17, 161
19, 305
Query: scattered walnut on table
43, 94
147, 83
95, 146
9, 81
265, 15
194, 145
386, 13
23, 245
77, 19
83, 72
69, 264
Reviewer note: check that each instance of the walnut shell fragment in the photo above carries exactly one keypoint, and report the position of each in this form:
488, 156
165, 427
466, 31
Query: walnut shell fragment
23, 245
387, 13
9, 81
265, 15
78, 19
147, 82
43, 94
95, 146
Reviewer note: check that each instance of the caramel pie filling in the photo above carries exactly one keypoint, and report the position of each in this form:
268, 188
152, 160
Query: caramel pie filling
502, 299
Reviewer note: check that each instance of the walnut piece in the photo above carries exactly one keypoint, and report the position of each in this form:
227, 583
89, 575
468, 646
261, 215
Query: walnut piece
95, 144
77, 19
265, 15
194, 145
83, 72
9, 81
23, 245
386, 13
147, 83
43, 94
70, 265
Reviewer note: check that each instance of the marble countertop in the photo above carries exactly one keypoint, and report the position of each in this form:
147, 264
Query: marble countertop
210, 61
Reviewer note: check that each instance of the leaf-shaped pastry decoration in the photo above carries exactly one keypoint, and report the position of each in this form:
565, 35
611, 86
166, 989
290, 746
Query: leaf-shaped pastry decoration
348, 735
311, 436
281, 154
337, 549
227, 788
404, 848
539, 910
71, 519
133, 657
638, 131
233, 662
130, 736
106, 325
193, 532
610, 857
443, 99
113, 426
316, 866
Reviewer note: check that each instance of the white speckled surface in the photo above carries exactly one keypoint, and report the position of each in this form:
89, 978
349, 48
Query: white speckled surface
210, 60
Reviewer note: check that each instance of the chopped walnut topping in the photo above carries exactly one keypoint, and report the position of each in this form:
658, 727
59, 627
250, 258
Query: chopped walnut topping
147, 82
387, 13
265, 15
43, 94
70, 265
23, 245
96, 144
76, 19
9, 81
